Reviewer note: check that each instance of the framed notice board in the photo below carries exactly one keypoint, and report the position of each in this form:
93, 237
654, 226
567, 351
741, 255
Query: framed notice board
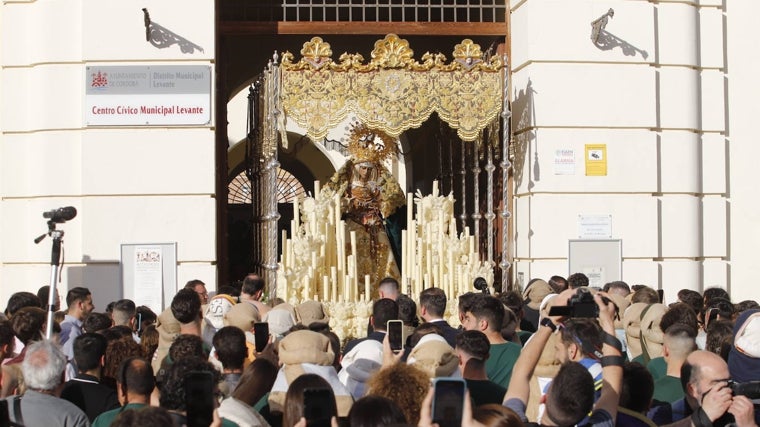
149, 273
600, 260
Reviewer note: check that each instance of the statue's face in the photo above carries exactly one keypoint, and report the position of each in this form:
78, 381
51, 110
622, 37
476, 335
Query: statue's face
364, 169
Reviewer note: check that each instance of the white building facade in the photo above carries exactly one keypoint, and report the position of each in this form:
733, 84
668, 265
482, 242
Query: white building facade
669, 89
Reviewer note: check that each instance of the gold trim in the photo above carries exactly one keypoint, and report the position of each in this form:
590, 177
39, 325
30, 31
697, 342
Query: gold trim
393, 92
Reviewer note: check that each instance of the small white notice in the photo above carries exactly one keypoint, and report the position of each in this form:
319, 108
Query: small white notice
148, 277
564, 161
595, 276
594, 226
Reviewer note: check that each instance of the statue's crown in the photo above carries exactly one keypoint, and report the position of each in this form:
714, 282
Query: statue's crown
370, 145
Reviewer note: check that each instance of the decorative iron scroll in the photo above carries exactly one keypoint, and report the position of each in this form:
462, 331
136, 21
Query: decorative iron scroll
393, 92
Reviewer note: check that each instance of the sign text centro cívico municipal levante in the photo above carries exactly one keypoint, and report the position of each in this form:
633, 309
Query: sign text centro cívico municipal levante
148, 95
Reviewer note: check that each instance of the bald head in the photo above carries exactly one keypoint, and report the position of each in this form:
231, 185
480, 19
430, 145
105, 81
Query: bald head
702, 371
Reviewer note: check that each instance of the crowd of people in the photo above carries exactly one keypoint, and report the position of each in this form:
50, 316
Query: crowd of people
559, 353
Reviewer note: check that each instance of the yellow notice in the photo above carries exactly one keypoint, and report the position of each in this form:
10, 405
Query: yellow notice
596, 159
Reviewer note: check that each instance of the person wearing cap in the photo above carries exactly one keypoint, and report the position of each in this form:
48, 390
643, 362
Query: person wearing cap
307, 352
473, 350
281, 318
533, 294
310, 311
434, 356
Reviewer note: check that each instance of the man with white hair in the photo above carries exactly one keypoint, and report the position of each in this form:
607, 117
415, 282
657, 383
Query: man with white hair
40, 406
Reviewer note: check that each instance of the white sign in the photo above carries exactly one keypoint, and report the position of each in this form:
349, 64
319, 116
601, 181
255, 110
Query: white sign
564, 161
148, 279
595, 276
147, 95
594, 226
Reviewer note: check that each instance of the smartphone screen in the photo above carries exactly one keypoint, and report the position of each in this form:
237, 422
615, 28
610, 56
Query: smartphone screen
395, 329
199, 399
318, 407
448, 402
261, 334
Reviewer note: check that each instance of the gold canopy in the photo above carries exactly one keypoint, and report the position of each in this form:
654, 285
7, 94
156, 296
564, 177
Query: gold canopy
393, 92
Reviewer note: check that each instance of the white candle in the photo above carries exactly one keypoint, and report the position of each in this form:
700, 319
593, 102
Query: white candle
296, 213
353, 243
316, 190
409, 209
435, 188
367, 295
334, 279
306, 287
325, 288
347, 288
404, 258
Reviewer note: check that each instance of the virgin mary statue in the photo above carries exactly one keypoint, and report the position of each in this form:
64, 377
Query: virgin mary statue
369, 195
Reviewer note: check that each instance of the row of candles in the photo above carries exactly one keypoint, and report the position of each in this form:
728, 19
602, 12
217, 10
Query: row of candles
318, 260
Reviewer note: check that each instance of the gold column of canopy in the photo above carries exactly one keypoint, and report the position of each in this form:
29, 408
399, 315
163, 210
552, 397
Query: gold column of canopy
393, 92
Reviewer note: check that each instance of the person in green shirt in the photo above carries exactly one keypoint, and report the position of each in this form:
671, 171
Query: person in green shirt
485, 313
134, 386
679, 341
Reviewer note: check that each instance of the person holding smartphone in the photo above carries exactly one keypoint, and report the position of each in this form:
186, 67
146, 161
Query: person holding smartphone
570, 397
190, 393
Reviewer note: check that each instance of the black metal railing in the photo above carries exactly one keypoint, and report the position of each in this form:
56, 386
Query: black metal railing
364, 10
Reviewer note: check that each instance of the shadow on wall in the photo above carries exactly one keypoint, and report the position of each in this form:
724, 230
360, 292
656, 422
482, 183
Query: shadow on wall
609, 41
524, 111
101, 277
162, 37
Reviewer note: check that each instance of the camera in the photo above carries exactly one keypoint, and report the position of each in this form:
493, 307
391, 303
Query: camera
481, 285
60, 215
581, 304
751, 389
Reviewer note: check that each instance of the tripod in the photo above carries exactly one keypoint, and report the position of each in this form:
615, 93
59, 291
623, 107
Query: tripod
55, 263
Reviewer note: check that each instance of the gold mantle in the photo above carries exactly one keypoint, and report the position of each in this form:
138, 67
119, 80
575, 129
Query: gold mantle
393, 92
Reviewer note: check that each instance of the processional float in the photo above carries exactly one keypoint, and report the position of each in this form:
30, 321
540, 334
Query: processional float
388, 95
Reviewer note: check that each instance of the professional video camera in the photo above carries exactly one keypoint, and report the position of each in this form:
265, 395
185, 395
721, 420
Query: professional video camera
751, 389
60, 215
481, 285
581, 304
